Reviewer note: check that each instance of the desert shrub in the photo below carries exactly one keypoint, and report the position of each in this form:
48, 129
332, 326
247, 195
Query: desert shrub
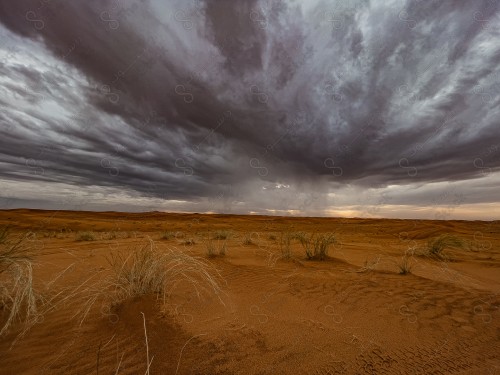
18, 298
316, 245
436, 245
222, 235
85, 236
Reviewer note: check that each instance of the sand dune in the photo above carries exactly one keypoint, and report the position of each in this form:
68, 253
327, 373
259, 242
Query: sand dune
350, 314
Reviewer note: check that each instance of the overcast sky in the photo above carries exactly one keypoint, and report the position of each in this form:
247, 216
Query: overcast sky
336, 108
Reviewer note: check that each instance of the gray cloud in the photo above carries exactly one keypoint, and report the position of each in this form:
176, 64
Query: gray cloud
190, 100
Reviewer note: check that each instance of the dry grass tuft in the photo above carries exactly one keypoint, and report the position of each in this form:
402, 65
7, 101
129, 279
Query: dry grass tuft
316, 246
18, 298
405, 265
150, 271
113, 235
436, 245
4, 233
247, 239
215, 247
189, 242
168, 235
85, 236
222, 234
285, 241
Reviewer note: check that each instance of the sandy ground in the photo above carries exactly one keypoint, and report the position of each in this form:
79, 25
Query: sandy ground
351, 314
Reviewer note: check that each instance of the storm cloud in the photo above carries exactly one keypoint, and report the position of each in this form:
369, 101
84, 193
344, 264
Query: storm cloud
250, 106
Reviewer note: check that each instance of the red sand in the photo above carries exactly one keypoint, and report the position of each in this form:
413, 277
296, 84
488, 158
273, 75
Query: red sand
279, 316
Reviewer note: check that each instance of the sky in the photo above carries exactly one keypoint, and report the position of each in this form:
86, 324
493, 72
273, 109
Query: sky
276, 107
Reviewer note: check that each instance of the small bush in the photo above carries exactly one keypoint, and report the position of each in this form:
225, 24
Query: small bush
86, 236
316, 245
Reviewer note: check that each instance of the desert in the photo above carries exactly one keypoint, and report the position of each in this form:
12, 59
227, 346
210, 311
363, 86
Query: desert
373, 305
249, 187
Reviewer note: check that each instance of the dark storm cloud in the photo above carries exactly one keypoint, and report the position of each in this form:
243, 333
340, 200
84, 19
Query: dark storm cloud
180, 100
